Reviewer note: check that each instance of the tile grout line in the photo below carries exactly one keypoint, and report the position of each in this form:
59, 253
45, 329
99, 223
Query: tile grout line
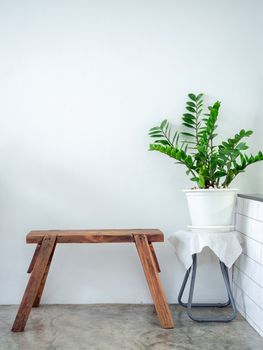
253, 239
245, 315
235, 266
252, 259
249, 217
247, 295
249, 257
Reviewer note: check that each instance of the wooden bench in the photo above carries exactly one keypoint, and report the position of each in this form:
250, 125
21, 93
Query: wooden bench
46, 242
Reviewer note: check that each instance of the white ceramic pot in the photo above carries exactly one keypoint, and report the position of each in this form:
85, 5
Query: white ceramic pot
211, 208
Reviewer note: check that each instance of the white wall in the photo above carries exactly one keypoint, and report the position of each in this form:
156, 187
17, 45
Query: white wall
81, 82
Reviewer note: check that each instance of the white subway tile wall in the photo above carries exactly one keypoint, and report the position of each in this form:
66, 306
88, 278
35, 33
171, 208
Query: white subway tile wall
248, 269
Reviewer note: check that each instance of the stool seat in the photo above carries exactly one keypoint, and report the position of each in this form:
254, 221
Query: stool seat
95, 236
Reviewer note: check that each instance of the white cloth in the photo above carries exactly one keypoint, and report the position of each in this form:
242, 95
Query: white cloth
226, 245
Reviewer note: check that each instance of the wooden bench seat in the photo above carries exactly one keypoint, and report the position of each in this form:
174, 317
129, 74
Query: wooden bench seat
46, 242
95, 236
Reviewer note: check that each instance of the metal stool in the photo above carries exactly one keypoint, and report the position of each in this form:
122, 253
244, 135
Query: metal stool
190, 304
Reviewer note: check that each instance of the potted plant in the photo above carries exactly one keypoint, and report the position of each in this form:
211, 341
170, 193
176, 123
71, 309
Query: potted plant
211, 166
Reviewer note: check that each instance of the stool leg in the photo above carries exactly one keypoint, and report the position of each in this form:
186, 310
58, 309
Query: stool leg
180, 295
43, 281
183, 288
34, 282
151, 274
229, 291
191, 292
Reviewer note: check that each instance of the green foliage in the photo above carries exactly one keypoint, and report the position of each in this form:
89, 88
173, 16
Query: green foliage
209, 165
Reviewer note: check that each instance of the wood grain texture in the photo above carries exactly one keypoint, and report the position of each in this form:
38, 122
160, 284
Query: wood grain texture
34, 283
32, 263
43, 281
95, 236
154, 257
152, 277
46, 243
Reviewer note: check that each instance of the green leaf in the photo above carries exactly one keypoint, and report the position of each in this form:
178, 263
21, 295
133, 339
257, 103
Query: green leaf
201, 181
163, 142
175, 137
187, 134
199, 97
188, 125
156, 132
163, 123
189, 120
189, 115
192, 97
156, 135
190, 109
220, 173
242, 133
152, 147
248, 133
241, 146
191, 104
194, 179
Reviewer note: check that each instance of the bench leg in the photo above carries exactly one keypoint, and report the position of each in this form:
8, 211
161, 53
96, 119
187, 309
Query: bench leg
40, 265
154, 257
43, 281
33, 261
149, 265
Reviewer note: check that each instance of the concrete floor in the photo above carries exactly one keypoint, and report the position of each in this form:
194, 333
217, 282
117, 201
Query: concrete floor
120, 327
